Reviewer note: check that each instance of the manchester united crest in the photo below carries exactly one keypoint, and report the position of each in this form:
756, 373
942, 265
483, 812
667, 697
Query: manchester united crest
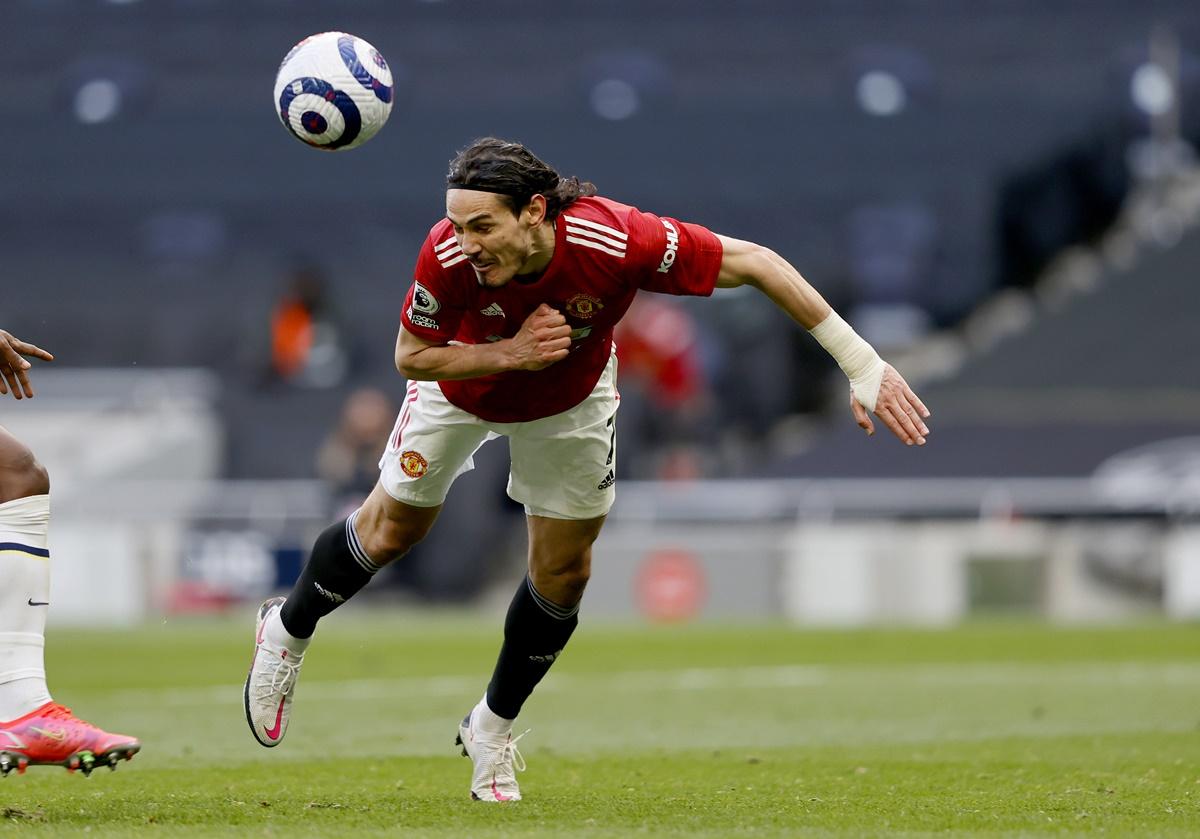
413, 464
583, 306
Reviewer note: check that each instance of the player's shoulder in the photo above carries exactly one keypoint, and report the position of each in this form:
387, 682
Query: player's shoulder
443, 244
593, 210
441, 248
601, 225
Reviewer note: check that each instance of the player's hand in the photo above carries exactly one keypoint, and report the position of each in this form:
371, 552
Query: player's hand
897, 407
14, 370
544, 338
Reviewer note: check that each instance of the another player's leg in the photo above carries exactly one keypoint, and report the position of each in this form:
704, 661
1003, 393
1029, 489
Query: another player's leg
345, 557
541, 617
34, 730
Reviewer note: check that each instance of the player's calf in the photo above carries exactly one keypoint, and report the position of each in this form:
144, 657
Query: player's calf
337, 569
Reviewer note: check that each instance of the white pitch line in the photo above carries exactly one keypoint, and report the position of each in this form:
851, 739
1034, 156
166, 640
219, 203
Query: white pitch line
714, 679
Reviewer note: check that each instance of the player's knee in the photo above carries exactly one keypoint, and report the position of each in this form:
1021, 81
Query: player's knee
23, 476
387, 528
563, 578
576, 579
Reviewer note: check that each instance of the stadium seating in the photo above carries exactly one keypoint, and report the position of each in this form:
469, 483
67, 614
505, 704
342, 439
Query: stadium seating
152, 219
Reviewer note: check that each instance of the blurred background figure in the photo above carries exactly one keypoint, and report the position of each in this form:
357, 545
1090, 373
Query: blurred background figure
308, 340
348, 459
667, 411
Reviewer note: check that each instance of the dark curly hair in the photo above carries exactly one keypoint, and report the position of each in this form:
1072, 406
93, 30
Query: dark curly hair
515, 174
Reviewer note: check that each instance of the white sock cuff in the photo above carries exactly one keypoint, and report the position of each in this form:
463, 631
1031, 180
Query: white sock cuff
275, 632
489, 721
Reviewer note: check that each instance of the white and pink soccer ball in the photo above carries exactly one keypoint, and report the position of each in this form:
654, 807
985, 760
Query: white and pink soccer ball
333, 91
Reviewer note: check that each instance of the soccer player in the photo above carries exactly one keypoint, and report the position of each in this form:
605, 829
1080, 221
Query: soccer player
507, 331
39, 731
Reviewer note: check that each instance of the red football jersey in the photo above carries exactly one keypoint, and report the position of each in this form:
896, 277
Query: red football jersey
603, 253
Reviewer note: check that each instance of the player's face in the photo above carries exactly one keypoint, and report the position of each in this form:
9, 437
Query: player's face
498, 244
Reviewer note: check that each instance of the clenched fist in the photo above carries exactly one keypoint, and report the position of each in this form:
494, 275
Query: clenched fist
544, 338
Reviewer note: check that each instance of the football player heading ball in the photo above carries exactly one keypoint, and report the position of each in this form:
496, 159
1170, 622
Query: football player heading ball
507, 331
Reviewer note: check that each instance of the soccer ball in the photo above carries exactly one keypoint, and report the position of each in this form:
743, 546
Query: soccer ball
333, 91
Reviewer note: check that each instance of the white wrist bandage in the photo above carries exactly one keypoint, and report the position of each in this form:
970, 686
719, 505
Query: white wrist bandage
858, 359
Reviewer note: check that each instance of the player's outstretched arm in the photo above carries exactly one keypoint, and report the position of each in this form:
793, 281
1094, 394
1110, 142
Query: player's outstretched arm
544, 338
875, 386
14, 370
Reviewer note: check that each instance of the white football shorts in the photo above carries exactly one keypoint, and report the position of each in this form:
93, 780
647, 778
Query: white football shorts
562, 466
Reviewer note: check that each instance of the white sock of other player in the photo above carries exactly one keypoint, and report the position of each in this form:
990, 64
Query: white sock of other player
24, 601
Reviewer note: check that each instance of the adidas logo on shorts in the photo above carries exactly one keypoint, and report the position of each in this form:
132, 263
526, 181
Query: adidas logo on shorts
608, 481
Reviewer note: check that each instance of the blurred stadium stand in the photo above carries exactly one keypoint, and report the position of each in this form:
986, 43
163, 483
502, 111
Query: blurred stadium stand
1111, 370
925, 165
170, 217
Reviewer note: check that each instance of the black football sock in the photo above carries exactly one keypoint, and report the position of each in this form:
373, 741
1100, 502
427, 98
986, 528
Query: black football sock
535, 632
336, 571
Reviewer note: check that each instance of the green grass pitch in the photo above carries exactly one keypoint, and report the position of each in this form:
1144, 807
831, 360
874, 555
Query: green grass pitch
996, 729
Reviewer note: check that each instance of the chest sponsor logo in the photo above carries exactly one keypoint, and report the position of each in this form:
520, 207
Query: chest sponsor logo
672, 247
423, 301
413, 464
421, 320
492, 310
583, 306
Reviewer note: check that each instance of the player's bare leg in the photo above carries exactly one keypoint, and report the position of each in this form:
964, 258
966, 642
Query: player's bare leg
344, 559
541, 618
34, 730
560, 556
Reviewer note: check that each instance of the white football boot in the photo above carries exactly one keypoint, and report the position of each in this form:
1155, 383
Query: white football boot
496, 760
271, 682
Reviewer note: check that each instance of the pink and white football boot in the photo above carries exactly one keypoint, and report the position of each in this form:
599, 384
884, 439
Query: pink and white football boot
271, 682
496, 762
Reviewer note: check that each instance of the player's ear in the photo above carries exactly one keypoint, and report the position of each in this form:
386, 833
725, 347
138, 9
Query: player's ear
535, 210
